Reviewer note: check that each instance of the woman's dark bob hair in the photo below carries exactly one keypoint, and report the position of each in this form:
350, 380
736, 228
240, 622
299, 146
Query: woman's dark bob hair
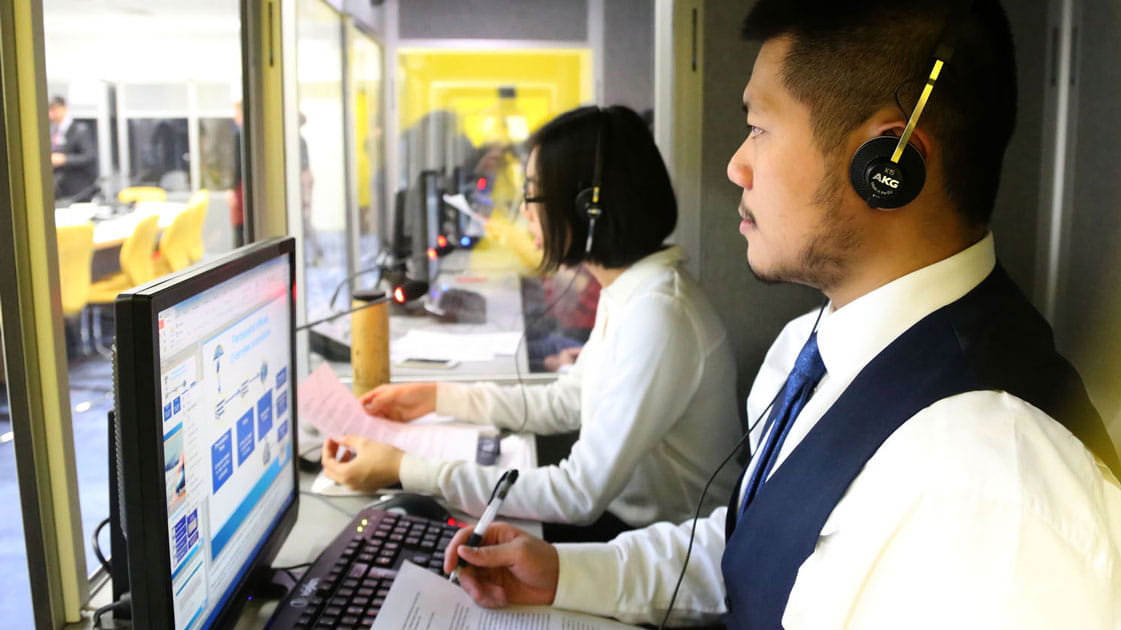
639, 209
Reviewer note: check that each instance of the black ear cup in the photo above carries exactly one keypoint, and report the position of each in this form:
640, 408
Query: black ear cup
882, 183
584, 201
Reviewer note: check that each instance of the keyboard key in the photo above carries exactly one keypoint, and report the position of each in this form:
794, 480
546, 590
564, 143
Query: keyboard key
358, 570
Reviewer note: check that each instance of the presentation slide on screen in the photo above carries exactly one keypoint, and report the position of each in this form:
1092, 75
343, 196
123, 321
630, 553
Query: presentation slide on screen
241, 368
226, 428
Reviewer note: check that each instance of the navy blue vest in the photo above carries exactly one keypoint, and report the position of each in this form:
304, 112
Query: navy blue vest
991, 339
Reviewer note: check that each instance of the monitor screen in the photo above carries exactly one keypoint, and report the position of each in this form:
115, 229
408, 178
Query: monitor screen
205, 379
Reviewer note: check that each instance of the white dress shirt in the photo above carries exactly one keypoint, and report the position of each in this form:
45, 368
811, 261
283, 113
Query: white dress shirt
954, 522
652, 394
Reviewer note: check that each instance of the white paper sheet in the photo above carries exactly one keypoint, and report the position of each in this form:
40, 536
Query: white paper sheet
427, 344
422, 600
459, 202
329, 406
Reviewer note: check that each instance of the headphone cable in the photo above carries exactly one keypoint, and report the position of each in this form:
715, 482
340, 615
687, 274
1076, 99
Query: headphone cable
750, 456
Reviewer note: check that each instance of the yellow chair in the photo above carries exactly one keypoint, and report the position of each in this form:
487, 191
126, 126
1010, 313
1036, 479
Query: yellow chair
135, 260
136, 194
136, 268
75, 256
177, 241
198, 205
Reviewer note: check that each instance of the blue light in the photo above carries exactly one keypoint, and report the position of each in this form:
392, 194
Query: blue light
465, 241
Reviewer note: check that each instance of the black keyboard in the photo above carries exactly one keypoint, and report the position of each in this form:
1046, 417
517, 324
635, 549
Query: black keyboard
346, 586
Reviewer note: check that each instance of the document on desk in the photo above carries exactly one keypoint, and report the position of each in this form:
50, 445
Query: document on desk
422, 600
429, 344
330, 407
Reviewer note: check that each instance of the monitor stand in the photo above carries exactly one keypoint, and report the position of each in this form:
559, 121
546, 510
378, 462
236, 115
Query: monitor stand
269, 583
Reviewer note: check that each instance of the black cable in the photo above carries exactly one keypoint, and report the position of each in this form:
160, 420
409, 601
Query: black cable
700, 502
337, 315
521, 339
302, 565
97, 546
124, 602
379, 266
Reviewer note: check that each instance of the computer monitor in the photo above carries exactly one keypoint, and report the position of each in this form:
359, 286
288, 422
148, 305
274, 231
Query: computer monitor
428, 224
205, 438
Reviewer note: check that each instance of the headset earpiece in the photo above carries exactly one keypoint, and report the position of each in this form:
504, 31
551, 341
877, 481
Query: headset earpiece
884, 184
587, 204
887, 172
587, 200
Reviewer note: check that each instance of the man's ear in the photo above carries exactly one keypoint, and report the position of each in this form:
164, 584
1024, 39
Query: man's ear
919, 138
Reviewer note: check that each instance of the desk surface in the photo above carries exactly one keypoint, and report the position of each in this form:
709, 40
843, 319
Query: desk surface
502, 291
320, 519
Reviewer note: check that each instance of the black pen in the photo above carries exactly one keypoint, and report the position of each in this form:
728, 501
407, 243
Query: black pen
500, 489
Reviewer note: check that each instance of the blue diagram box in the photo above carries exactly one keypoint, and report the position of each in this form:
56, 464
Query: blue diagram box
245, 441
167, 412
264, 415
193, 528
281, 377
181, 540
176, 405
221, 460
281, 403
281, 429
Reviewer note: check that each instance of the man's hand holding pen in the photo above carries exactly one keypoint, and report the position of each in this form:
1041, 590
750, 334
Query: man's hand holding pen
499, 564
509, 567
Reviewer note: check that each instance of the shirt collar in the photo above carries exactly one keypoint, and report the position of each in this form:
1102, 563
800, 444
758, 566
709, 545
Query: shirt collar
851, 336
630, 280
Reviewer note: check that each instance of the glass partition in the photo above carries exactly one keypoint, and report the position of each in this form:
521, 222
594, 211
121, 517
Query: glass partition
144, 97
319, 60
367, 91
15, 587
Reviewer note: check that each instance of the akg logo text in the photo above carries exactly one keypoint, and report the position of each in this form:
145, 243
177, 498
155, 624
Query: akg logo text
887, 181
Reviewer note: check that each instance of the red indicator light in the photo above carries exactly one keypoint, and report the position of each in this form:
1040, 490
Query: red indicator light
432, 253
442, 241
481, 184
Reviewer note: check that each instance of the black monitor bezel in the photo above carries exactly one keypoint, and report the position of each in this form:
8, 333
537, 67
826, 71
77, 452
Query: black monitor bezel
142, 469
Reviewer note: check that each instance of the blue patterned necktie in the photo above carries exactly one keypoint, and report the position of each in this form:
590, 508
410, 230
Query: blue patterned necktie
800, 384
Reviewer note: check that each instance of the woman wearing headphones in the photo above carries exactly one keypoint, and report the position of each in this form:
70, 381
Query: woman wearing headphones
652, 393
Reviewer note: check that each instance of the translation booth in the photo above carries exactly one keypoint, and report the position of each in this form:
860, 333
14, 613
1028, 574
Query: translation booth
295, 292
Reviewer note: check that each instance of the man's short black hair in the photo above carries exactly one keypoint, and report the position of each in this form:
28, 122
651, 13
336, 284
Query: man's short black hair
57, 101
639, 209
849, 58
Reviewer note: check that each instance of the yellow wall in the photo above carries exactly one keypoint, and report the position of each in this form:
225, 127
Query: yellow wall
548, 82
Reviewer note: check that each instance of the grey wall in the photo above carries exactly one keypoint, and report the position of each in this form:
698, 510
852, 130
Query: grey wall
754, 313
494, 19
1016, 217
628, 53
1089, 299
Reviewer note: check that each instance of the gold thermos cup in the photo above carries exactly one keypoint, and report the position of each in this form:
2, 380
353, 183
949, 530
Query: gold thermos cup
369, 340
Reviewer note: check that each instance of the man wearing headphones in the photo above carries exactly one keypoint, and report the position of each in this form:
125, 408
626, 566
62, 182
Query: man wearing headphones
922, 455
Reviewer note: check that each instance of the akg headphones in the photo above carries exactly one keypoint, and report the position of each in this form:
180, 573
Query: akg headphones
587, 200
887, 172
